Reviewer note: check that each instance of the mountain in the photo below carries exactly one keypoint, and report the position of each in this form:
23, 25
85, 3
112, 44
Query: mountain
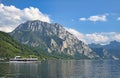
52, 38
113, 48
9, 48
108, 51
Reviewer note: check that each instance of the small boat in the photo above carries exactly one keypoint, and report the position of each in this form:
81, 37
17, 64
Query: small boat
20, 59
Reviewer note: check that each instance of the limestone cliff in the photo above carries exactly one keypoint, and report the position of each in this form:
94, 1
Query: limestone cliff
51, 37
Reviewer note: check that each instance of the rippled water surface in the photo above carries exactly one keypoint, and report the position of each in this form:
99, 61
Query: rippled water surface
62, 69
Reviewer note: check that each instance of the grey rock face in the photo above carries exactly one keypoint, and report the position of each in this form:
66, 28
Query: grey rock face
109, 51
51, 37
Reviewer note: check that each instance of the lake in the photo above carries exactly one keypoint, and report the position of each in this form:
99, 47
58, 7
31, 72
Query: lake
62, 69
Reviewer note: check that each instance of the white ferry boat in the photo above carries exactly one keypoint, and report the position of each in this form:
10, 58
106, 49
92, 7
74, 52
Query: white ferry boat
20, 59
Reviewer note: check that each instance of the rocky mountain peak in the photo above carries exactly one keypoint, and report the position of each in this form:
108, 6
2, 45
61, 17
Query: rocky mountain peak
51, 37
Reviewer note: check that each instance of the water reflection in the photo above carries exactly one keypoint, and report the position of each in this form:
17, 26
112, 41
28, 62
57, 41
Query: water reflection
24, 70
4, 69
62, 69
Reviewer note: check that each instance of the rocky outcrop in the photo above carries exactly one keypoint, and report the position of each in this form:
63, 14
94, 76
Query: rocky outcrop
51, 37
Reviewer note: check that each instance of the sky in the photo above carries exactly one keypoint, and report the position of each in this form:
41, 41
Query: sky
92, 21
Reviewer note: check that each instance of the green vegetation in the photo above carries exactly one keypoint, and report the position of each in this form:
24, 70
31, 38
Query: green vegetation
10, 48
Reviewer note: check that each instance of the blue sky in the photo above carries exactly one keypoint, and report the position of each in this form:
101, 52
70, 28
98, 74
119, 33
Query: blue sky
84, 16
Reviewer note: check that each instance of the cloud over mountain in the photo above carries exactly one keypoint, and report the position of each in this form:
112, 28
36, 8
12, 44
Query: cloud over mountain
99, 38
79, 35
10, 16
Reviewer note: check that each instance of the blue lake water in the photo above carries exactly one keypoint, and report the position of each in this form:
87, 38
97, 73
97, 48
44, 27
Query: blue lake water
62, 69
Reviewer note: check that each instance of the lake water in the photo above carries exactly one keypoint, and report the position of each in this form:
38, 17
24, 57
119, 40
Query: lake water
62, 69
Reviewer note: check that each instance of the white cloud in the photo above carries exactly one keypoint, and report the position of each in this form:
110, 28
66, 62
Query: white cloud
82, 19
117, 37
118, 18
7, 29
95, 18
11, 17
99, 38
103, 38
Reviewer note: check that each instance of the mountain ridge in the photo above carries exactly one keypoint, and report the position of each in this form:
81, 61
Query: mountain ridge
52, 38
112, 49
9, 48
